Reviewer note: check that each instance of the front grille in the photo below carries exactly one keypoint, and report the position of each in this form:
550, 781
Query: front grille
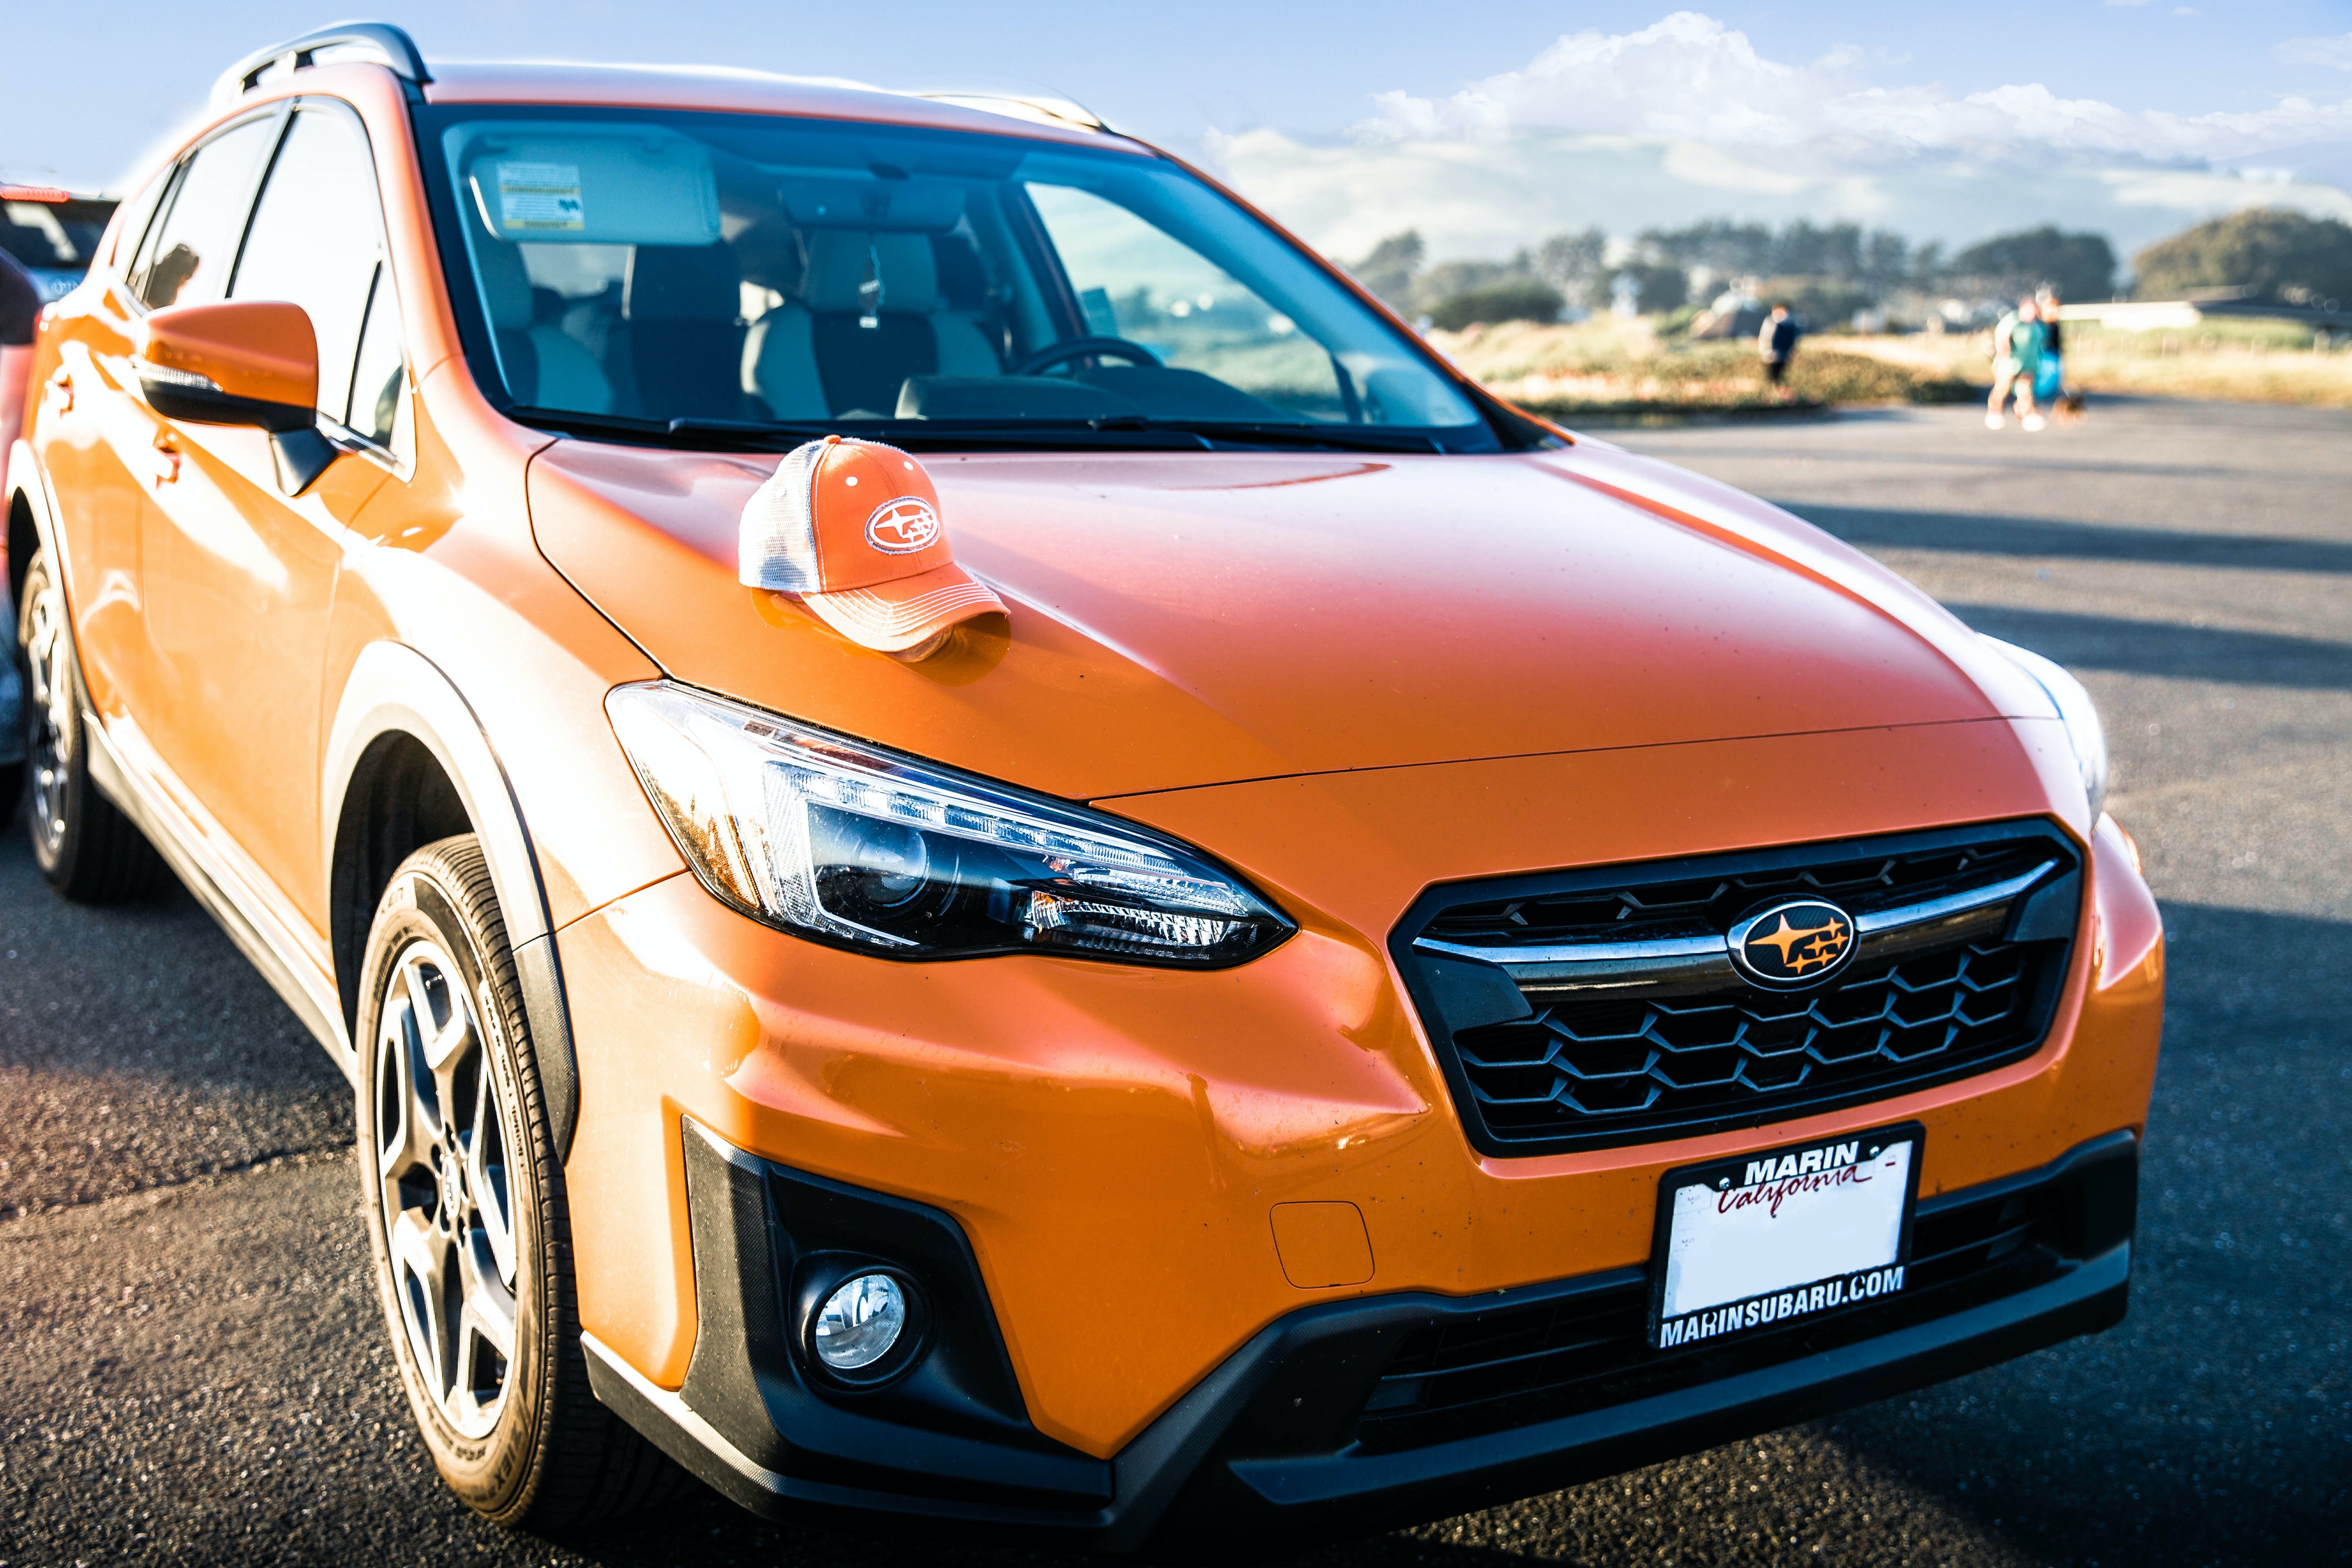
1596, 1007
1481, 1372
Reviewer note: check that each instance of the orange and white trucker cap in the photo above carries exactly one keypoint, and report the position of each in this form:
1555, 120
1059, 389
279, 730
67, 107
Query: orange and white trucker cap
852, 527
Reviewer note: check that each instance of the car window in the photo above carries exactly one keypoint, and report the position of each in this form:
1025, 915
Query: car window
316, 241
377, 373
136, 216
187, 260
659, 266
1140, 283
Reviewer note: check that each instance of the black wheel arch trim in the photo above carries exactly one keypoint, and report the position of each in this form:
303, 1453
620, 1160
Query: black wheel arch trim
391, 688
394, 690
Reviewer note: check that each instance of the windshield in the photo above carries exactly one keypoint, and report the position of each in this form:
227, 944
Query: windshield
714, 273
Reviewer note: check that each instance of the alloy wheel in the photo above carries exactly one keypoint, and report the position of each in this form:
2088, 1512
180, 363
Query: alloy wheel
442, 1177
49, 653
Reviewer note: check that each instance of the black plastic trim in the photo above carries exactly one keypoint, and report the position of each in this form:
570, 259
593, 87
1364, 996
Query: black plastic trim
401, 56
1263, 1452
953, 1423
211, 406
538, 974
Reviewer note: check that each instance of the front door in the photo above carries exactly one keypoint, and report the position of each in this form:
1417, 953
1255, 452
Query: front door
240, 577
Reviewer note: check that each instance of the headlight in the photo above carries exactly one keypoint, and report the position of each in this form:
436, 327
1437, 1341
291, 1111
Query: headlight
854, 845
2084, 732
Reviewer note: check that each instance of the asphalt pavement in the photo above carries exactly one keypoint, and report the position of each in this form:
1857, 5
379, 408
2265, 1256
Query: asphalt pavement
192, 1363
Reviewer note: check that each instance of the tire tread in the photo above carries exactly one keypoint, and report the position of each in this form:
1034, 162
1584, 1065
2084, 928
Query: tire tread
103, 858
592, 1465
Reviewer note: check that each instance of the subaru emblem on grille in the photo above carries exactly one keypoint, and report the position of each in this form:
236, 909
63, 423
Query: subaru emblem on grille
1800, 942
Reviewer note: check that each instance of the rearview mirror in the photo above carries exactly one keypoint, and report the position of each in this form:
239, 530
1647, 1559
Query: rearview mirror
245, 361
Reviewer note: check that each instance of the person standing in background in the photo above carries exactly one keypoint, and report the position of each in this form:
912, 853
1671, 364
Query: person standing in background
2050, 383
2017, 345
1776, 340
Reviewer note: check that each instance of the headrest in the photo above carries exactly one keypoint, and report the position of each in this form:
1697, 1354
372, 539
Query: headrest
506, 286
683, 283
769, 252
839, 259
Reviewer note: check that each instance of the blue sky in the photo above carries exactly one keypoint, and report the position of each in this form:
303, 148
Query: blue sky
1486, 122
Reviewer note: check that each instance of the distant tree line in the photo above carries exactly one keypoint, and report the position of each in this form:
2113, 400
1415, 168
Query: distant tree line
1831, 271
2270, 254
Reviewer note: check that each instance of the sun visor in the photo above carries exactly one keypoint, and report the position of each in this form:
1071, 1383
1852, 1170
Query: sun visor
818, 201
593, 186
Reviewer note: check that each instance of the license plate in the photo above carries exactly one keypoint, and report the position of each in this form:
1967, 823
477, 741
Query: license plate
1761, 1240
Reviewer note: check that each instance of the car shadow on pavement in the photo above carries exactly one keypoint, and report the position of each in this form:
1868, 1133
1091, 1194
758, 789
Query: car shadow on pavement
139, 1047
706, 1531
2168, 648
2215, 1423
1981, 534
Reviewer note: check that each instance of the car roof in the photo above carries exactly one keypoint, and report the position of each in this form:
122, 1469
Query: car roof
762, 92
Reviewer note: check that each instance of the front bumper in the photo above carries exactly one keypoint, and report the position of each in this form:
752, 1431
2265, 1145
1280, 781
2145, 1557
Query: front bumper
1338, 1419
1153, 1125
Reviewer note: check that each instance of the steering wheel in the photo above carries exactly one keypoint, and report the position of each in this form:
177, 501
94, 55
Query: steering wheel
1044, 359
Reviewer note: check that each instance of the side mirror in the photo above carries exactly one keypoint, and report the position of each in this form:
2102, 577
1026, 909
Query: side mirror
244, 362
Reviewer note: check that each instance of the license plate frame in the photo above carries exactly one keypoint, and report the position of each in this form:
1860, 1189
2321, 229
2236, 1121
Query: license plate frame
1791, 1300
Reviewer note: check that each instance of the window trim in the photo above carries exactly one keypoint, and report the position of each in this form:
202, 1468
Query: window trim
398, 459
139, 211
170, 200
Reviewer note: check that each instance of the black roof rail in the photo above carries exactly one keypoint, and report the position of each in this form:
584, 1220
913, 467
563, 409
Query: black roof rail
392, 46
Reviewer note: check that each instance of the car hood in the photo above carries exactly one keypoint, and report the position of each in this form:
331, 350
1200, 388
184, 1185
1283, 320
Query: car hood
1185, 619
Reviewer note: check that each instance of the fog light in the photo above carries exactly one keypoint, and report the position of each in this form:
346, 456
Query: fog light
860, 1322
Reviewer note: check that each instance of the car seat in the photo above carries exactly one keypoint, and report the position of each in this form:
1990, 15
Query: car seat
543, 367
814, 357
683, 332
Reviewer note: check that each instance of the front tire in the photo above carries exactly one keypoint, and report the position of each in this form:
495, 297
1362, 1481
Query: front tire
465, 1204
85, 846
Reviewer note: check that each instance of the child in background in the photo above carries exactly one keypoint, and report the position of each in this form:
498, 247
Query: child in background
2017, 349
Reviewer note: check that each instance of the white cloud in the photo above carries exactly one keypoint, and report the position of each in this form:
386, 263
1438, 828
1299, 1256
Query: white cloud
1690, 78
1686, 119
2336, 52
1489, 198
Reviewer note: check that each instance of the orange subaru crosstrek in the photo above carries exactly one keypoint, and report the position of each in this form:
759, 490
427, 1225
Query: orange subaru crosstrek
986, 857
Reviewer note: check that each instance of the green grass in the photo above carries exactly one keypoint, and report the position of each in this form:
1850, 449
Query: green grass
1610, 366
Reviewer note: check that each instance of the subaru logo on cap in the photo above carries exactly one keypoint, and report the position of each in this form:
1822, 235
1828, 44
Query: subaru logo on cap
1799, 942
902, 526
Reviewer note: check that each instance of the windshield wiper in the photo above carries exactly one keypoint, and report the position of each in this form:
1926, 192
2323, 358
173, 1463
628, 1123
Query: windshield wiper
1129, 431
783, 434
1345, 438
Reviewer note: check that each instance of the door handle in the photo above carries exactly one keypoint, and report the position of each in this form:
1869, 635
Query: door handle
58, 394
166, 457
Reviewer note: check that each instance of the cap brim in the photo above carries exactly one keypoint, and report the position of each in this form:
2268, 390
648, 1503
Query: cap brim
891, 616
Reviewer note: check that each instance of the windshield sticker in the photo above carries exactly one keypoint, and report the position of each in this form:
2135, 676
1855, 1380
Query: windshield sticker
540, 195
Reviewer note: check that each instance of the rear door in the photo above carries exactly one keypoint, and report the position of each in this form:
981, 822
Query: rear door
100, 446
241, 577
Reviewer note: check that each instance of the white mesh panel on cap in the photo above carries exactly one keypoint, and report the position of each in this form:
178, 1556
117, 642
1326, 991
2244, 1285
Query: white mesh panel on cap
778, 545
